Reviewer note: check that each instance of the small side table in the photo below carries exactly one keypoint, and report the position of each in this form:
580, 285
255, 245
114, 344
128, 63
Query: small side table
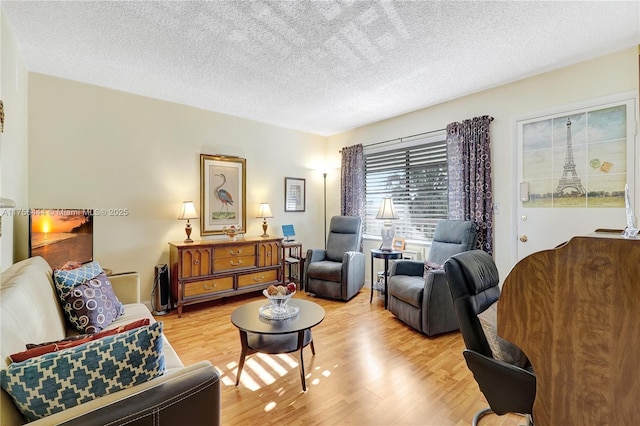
386, 255
292, 257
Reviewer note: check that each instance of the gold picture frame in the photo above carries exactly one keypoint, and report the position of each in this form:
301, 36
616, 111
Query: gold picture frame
223, 199
398, 243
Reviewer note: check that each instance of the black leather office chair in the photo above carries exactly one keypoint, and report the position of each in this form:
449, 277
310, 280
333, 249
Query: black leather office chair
473, 281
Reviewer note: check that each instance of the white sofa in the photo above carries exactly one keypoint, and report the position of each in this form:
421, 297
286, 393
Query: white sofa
31, 313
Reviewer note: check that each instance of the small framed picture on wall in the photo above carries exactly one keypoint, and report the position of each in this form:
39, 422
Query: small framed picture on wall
294, 194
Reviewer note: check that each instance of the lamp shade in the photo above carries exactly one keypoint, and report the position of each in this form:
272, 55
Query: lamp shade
387, 211
7, 203
264, 211
188, 211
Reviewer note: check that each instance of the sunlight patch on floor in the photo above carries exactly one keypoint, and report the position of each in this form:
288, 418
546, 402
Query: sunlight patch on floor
253, 368
248, 382
259, 370
289, 359
226, 377
273, 363
264, 369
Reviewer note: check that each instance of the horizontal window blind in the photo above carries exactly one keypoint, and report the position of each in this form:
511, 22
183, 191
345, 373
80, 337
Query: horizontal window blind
416, 179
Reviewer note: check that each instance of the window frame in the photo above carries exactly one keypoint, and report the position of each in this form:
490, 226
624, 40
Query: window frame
429, 158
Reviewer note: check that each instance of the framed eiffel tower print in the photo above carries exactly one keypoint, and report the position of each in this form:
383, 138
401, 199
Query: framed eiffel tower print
573, 162
576, 159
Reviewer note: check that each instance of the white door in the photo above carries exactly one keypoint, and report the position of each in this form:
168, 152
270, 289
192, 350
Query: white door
573, 164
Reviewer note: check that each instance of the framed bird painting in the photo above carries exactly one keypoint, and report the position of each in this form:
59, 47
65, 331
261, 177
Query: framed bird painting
222, 193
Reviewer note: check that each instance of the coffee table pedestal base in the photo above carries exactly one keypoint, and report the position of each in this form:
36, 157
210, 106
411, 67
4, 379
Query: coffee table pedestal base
275, 344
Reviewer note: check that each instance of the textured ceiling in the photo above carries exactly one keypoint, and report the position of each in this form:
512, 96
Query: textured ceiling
318, 66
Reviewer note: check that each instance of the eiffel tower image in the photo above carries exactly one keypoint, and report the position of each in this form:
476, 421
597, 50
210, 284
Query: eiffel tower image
569, 182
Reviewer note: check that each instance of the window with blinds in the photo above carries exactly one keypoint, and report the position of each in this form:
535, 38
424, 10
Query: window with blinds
415, 177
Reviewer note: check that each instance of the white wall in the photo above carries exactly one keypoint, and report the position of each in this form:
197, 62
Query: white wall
91, 147
603, 76
13, 142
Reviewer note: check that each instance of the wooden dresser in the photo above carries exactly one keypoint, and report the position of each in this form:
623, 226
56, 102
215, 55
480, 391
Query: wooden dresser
213, 269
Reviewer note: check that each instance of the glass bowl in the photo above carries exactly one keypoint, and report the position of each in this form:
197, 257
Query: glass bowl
279, 302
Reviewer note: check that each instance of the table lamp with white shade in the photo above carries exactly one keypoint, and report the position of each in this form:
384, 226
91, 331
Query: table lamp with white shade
188, 212
264, 211
387, 213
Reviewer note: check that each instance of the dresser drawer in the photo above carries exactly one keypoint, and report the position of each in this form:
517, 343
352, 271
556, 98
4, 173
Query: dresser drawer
234, 251
257, 278
199, 288
233, 263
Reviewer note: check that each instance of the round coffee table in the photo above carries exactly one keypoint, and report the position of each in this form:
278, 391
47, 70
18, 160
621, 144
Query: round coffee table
258, 334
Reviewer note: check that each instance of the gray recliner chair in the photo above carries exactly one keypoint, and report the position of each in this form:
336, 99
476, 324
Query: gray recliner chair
420, 297
338, 271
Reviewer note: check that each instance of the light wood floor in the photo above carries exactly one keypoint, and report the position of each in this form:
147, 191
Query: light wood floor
369, 369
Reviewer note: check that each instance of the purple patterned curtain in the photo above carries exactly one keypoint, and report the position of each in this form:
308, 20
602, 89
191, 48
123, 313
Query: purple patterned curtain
470, 186
352, 183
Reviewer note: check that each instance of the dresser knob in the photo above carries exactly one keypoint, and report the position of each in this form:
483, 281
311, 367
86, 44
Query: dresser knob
208, 287
259, 279
196, 262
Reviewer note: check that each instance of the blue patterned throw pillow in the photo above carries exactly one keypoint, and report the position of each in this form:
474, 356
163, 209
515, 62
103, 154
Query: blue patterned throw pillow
66, 279
56, 381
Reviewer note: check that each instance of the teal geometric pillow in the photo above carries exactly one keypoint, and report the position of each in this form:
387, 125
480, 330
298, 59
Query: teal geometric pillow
66, 280
56, 381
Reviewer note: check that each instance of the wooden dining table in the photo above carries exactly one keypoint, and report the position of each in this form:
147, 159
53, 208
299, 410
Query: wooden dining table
575, 312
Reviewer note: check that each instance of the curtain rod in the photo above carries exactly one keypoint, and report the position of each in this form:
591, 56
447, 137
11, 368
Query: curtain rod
407, 137
402, 137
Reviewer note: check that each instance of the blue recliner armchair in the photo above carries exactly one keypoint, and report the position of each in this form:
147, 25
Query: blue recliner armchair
338, 271
422, 299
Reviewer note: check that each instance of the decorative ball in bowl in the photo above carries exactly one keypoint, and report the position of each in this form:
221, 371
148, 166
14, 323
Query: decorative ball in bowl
232, 232
279, 296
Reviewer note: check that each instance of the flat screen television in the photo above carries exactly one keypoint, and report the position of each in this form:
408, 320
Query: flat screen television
61, 236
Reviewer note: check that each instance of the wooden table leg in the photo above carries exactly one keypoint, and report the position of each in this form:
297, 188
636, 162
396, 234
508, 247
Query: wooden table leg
386, 288
300, 347
243, 354
371, 295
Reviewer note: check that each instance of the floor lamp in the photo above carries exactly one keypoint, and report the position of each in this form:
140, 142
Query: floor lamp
324, 176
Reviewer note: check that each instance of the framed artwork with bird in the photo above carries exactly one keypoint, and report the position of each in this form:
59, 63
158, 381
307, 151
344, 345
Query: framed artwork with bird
222, 193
